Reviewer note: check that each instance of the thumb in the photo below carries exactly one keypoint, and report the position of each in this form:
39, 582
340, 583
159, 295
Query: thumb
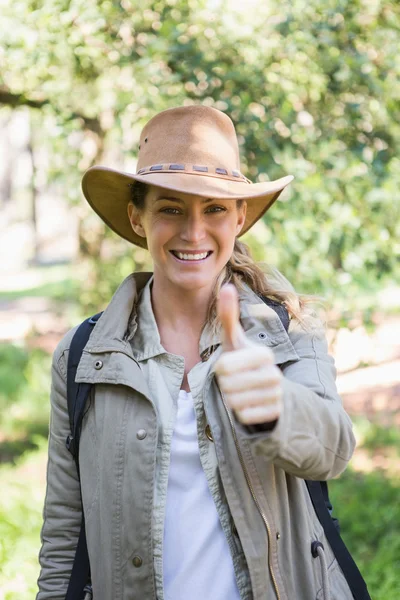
228, 313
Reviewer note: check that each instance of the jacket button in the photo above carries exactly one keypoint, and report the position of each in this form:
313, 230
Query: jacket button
137, 561
208, 433
278, 535
141, 434
98, 364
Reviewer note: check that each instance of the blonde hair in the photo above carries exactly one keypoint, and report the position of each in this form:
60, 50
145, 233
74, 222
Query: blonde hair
265, 280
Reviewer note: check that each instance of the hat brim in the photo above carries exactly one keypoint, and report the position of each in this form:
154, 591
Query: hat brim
108, 192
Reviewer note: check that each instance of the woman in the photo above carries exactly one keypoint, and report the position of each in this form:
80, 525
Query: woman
207, 414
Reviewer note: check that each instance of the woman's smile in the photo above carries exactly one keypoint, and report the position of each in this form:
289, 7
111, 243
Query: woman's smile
191, 257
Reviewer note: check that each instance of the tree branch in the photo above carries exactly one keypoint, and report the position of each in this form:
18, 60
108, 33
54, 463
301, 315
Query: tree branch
7, 97
15, 100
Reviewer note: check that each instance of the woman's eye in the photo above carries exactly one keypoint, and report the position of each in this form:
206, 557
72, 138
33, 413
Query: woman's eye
216, 209
170, 211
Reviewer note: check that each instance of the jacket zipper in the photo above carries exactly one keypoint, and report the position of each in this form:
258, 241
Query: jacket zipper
256, 502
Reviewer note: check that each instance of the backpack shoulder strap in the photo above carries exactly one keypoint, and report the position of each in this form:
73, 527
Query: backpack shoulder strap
350, 570
280, 310
77, 393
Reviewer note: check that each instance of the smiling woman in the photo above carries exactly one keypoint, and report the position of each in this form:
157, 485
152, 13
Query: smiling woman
212, 398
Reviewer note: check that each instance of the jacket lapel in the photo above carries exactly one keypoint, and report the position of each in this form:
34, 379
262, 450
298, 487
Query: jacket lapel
107, 356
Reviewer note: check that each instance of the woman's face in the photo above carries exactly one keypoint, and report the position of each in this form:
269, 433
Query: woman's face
190, 238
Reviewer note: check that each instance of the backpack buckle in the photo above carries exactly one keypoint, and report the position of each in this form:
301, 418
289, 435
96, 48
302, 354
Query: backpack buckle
70, 444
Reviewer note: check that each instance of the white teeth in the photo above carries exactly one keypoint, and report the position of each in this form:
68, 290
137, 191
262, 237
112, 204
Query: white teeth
191, 256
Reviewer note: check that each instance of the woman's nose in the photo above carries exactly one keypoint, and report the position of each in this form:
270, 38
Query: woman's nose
193, 228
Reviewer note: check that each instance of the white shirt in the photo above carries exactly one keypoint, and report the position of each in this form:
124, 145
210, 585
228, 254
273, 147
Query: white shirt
197, 563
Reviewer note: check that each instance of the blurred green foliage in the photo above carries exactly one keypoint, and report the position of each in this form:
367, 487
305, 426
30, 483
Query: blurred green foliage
21, 508
313, 88
61, 291
13, 360
24, 418
375, 437
369, 513
24, 399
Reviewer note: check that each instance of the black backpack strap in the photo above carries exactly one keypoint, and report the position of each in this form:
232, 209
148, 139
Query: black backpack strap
283, 314
280, 310
77, 394
352, 574
318, 491
80, 573
328, 504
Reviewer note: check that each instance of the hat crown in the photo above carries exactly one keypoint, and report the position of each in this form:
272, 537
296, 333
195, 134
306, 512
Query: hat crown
193, 135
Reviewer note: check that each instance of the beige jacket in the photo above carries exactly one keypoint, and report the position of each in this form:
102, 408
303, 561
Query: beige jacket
256, 478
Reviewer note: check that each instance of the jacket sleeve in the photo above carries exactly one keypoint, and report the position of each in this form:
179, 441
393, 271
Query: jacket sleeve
62, 508
313, 437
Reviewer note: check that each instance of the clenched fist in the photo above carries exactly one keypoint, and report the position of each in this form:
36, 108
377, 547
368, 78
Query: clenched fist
246, 373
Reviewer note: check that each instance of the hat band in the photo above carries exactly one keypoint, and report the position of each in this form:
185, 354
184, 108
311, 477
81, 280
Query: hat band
218, 172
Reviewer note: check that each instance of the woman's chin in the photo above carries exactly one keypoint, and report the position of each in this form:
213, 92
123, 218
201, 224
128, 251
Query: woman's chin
190, 281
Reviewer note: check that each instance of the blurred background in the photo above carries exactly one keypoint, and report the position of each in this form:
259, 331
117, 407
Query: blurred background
314, 90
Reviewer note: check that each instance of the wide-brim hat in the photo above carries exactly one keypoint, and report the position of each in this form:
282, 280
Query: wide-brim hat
189, 149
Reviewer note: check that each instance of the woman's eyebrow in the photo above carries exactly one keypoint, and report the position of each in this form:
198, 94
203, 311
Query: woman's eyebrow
204, 201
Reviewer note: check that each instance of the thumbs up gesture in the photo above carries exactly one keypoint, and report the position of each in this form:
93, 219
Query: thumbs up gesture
246, 373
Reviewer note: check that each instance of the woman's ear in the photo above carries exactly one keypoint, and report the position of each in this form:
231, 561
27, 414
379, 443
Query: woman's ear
135, 220
241, 217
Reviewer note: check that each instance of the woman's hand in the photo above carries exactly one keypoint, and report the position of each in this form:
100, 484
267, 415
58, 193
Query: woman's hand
246, 373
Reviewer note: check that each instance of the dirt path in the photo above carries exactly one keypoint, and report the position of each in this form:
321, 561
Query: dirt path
373, 392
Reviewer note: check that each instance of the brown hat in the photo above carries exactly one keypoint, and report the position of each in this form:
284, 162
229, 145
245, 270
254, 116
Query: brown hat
190, 149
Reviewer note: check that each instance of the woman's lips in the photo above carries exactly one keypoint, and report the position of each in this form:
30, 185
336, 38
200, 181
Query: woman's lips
188, 260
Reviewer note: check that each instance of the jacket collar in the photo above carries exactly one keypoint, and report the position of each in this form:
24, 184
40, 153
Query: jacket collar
144, 336
128, 324
117, 324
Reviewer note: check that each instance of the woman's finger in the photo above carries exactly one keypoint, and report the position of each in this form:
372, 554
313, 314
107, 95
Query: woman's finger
228, 310
243, 360
253, 398
254, 415
264, 377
